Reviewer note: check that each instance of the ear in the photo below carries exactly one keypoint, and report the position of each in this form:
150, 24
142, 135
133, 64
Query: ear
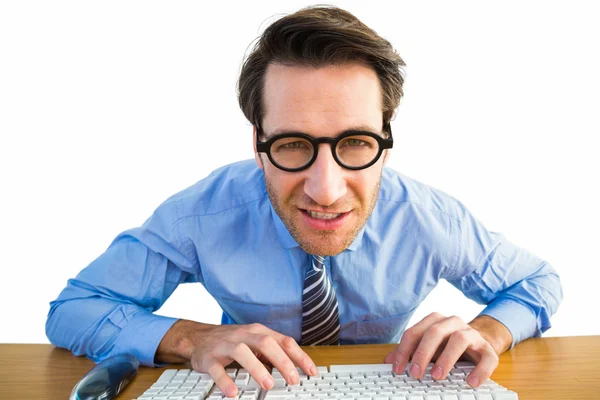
257, 158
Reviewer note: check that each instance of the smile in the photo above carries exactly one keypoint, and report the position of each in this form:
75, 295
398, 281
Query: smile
321, 215
325, 220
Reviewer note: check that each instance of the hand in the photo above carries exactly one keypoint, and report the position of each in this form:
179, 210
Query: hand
215, 346
444, 339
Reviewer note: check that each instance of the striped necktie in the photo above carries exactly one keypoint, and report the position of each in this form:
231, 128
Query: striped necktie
320, 319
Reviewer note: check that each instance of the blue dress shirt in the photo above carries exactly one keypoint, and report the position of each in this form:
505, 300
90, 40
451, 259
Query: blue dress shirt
224, 233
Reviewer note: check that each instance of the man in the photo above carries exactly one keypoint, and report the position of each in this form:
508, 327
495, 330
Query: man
314, 242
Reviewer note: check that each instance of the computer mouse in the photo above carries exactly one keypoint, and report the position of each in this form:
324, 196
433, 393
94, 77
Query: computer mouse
106, 379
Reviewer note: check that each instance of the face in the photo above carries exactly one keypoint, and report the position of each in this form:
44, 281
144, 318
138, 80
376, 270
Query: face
325, 206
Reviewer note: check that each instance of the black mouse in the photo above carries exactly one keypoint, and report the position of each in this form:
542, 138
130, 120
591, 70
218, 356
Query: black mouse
106, 379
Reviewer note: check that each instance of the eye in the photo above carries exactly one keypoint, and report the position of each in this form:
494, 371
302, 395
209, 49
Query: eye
355, 142
293, 145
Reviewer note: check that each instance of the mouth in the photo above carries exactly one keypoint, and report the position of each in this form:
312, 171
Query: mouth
324, 220
322, 215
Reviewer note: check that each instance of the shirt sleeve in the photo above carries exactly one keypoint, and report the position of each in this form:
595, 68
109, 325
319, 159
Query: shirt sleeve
520, 290
108, 308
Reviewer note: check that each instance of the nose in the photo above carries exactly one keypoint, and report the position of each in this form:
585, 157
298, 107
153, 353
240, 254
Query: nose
325, 182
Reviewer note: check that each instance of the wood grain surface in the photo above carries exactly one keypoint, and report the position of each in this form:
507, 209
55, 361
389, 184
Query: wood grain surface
543, 368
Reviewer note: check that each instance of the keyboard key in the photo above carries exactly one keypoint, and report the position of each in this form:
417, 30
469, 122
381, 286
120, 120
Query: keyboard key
231, 372
361, 368
252, 384
508, 395
464, 364
279, 382
167, 375
242, 379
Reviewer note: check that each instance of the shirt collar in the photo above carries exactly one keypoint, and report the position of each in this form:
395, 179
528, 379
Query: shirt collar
288, 242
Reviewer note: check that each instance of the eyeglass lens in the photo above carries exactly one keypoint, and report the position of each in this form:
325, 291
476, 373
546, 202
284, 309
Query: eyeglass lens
352, 151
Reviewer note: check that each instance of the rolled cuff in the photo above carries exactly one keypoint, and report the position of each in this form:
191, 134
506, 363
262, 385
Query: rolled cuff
142, 335
517, 317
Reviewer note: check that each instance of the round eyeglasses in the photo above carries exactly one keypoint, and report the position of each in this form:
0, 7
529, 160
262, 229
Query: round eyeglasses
296, 151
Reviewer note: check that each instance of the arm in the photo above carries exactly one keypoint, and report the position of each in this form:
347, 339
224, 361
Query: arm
108, 308
520, 290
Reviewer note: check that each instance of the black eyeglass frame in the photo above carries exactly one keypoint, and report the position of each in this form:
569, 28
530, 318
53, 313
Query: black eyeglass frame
265, 147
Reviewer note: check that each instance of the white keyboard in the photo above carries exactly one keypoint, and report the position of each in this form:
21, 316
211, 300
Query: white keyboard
339, 382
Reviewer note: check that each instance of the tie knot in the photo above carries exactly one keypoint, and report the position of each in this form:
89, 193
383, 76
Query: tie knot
318, 262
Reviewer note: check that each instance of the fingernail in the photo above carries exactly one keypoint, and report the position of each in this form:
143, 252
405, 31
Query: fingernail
436, 372
415, 370
473, 380
396, 367
293, 378
268, 382
313, 370
230, 391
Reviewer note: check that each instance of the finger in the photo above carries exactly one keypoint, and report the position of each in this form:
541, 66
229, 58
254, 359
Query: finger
400, 356
222, 380
297, 355
268, 346
248, 360
291, 348
431, 341
457, 344
484, 368
389, 358
410, 340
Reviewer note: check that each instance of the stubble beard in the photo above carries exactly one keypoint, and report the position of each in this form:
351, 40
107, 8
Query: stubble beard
323, 243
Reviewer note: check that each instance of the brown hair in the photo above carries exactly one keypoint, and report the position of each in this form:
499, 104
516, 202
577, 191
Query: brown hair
319, 36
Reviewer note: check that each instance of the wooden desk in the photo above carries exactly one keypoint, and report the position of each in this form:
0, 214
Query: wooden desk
545, 368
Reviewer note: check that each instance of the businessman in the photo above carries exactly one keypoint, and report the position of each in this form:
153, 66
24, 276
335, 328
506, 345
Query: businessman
315, 241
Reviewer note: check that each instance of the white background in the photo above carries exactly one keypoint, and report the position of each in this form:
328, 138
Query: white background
108, 108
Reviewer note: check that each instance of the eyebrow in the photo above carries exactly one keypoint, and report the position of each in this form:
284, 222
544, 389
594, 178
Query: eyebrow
359, 128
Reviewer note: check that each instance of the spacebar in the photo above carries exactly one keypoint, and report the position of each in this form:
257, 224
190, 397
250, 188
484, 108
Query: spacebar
361, 368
